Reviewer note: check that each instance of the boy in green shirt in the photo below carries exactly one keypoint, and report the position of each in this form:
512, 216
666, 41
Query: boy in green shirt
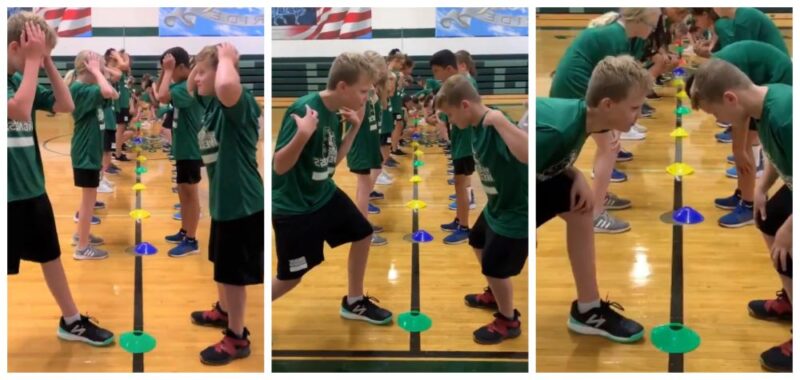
500, 235
721, 89
188, 112
32, 234
616, 91
120, 61
308, 209
228, 140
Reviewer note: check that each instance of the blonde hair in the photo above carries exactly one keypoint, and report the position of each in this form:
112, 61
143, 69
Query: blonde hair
348, 68
456, 89
208, 53
463, 56
604, 19
379, 68
16, 24
80, 66
615, 78
713, 78
625, 14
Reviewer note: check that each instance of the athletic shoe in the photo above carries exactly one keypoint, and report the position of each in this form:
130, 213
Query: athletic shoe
112, 170
741, 216
623, 156
105, 187
384, 179
613, 202
499, 330
484, 300
120, 157
85, 330
212, 318
729, 203
731, 172
99, 205
372, 209
647, 110
450, 227
95, 220
374, 196
176, 206
390, 163
730, 160
606, 322
89, 253
231, 347
451, 171
177, 216
724, 137
398, 152
778, 309
607, 224
365, 310
115, 167
616, 176
177, 238
454, 207
639, 128
460, 235
723, 125
451, 197
778, 358
378, 240
93, 240
632, 134
185, 248
376, 228
451, 181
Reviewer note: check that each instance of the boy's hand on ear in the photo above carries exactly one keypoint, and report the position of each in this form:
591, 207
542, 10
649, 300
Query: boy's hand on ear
33, 41
351, 116
308, 123
168, 64
227, 51
93, 63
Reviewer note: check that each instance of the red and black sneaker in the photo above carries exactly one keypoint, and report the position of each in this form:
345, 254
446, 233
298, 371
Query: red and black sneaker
499, 330
778, 358
231, 347
484, 300
778, 309
215, 317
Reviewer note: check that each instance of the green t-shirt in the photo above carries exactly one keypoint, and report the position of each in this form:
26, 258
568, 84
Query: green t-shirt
25, 170
723, 27
560, 135
109, 118
752, 24
228, 141
589, 48
366, 150
186, 122
505, 181
775, 129
89, 117
308, 185
461, 139
761, 62
124, 99
387, 120
397, 98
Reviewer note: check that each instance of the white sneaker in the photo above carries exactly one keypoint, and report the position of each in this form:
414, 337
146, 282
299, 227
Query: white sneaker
639, 128
93, 240
384, 179
632, 135
105, 179
104, 188
89, 253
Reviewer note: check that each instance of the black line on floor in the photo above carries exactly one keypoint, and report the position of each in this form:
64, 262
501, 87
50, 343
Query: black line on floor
675, 363
399, 354
415, 339
138, 296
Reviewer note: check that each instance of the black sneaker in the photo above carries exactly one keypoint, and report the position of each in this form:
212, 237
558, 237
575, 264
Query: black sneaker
484, 300
399, 152
778, 358
231, 347
499, 330
214, 317
85, 330
121, 157
365, 310
606, 322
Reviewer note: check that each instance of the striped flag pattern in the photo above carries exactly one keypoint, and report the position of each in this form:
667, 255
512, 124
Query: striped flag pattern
68, 22
332, 23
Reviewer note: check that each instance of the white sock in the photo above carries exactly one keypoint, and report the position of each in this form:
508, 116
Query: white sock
352, 300
584, 307
72, 319
756, 155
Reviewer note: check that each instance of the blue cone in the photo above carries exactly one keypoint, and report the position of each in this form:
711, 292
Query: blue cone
421, 236
415, 136
679, 72
145, 249
687, 215
138, 140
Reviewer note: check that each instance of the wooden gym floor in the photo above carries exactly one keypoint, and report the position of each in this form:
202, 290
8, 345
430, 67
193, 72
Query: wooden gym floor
172, 288
723, 268
309, 335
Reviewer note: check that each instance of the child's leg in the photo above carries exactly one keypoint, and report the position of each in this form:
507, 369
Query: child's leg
604, 159
503, 291
190, 208
462, 199
120, 138
85, 213
281, 287
56, 279
235, 298
580, 246
357, 267
745, 163
398, 129
363, 188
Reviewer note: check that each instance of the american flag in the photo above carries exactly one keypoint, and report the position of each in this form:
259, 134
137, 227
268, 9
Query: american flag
68, 22
332, 23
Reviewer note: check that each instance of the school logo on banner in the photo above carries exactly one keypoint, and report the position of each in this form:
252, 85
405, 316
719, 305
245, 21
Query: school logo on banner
210, 22
481, 22
321, 23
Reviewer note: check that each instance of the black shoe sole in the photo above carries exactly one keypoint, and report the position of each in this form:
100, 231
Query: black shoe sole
196, 323
512, 334
481, 306
772, 319
245, 354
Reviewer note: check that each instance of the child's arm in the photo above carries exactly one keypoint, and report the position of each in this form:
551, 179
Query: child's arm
191, 86
515, 138
63, 103
227, 87
168, 66
93, 66
285, 157
20, 107
354, 118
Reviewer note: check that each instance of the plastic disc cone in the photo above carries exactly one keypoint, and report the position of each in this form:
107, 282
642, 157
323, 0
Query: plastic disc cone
138, 140
414, 144
421, 236
674, 338
678, 71
145, 249
415, 179
137, 342
682, 110
416, 205
141, 158
687, 215
139, 186
418, 163
415, 136
139, 214
679, 49
141, 170
418, 154
680, 169
678, 83
682, 94
414, 321
679, 132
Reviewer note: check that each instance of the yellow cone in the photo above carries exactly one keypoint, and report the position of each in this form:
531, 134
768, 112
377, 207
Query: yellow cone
679, 169
416, 205
141, 158
414, 145
419, 153
139, 214
679, 132
679, 83
415, 179
139, 186
137, 149
682, 95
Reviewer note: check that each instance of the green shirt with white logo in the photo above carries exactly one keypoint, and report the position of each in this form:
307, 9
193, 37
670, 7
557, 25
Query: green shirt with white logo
186, 122
366, 150
560, 135
89, 117
775, 129
124, 100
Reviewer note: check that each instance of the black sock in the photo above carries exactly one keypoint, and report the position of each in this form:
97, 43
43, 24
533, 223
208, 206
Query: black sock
182, 231
191, 240
747, 204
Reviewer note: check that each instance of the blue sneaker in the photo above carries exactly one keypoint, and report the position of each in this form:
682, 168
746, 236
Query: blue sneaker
374, 196
177, 238
450, 227
452, 197
729, 203
372, 209
112, 170
741, 216
177, 216
461, 235
618, 176
647, 110
731, 172
177, 206
95, 220
450, 171
471, 202
724, 137
185, 248
99, 205
623, 156
730, 160
451, 181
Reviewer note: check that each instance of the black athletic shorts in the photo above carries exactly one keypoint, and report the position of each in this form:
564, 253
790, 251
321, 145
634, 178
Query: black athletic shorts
779, 208
464, 165
502, 256
386, 139
236, 247
88, 178
753, 124
552, 197
168, 119
32, 234
362, 171
188, 171
109, 137
299, 238
123, 116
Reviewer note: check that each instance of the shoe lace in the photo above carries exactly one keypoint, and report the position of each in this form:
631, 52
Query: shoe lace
781, 295
486, 296
89, 318
607, 304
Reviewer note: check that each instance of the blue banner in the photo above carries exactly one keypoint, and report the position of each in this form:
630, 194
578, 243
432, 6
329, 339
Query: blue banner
211, 22
14, 10
294, 16
481, 22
